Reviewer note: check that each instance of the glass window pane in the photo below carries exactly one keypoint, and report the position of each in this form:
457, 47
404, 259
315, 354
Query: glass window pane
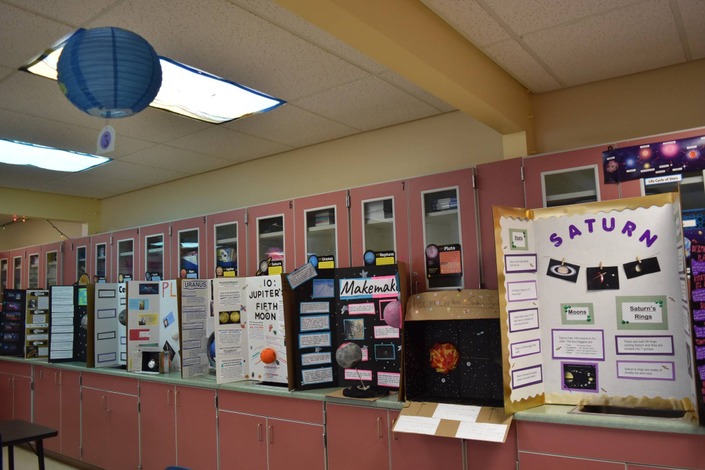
154, 262
321, 232
51, 268
270, 238
188, 254
126, 257
33, 271
378, 225
572, 186
442, 238
226, 250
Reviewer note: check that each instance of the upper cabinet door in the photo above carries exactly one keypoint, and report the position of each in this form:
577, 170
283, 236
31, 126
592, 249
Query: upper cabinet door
498, 184
154, 251
379, 221
226, 241
77, 259
126, 255
570, 177
35, 268
52, 255
270, 238
188, 248
4, 271
101, 250
17, 264
443, 229
321, 224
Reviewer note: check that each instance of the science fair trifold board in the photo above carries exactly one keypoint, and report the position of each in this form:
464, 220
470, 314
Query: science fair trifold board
360, 305
152, 322
594, 305
252, 329
110, 325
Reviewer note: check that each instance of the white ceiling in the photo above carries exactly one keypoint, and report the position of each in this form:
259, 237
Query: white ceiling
332, 90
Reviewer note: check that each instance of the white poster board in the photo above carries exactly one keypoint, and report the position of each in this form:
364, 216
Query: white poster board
594, 303
109, 322
230, 322
195, 310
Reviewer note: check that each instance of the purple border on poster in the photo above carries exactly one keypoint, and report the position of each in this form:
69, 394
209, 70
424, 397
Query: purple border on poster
628, 377
537, 351
616, 346
577, 358
533, 256
538, 366
509, 319
521, 299
597, 384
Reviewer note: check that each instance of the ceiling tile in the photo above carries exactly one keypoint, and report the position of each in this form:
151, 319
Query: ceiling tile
18, 176
693, 15
176, 159
227, 144
536, 15
61, 135
70, 12
273, 12
23, 35
469, 19
367, 104
228, 42
513, 58
610, 45
133, 172
401, 82
292, 126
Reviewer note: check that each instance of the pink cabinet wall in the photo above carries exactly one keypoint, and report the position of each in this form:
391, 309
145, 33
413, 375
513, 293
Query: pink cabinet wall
188, 248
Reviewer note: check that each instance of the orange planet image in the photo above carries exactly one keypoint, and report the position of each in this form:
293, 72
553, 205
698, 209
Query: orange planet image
444, 357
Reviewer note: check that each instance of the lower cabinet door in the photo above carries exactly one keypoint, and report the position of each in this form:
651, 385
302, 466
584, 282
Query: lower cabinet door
357, 438
295, 446
242, 441
157, 425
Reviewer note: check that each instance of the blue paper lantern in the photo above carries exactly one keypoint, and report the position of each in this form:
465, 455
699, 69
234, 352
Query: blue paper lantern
109, 72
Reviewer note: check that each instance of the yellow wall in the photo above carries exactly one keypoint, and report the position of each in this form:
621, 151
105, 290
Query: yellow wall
644, 104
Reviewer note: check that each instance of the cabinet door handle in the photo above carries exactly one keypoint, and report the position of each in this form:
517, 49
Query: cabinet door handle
168, 398
57, 378
379, 427
259, 432
270, 432
41, 373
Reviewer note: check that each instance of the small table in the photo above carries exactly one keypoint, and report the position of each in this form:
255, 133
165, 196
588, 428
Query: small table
18, 432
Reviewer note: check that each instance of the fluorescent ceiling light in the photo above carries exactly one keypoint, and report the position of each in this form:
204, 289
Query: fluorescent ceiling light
185, 90
22, 153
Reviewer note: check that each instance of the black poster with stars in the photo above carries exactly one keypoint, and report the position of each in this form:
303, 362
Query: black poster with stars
348, 328
369, 314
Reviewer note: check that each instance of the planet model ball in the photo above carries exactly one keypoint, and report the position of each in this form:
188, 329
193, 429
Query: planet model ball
268, 355
234, 317
369, 257
223, 317
348, 355
432, 251
392, 314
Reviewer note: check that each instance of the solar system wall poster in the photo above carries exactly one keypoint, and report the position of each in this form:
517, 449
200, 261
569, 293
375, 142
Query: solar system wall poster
593, 305
652, 160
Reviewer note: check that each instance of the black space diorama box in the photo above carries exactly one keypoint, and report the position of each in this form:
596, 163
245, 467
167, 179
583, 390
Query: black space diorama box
452, 348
